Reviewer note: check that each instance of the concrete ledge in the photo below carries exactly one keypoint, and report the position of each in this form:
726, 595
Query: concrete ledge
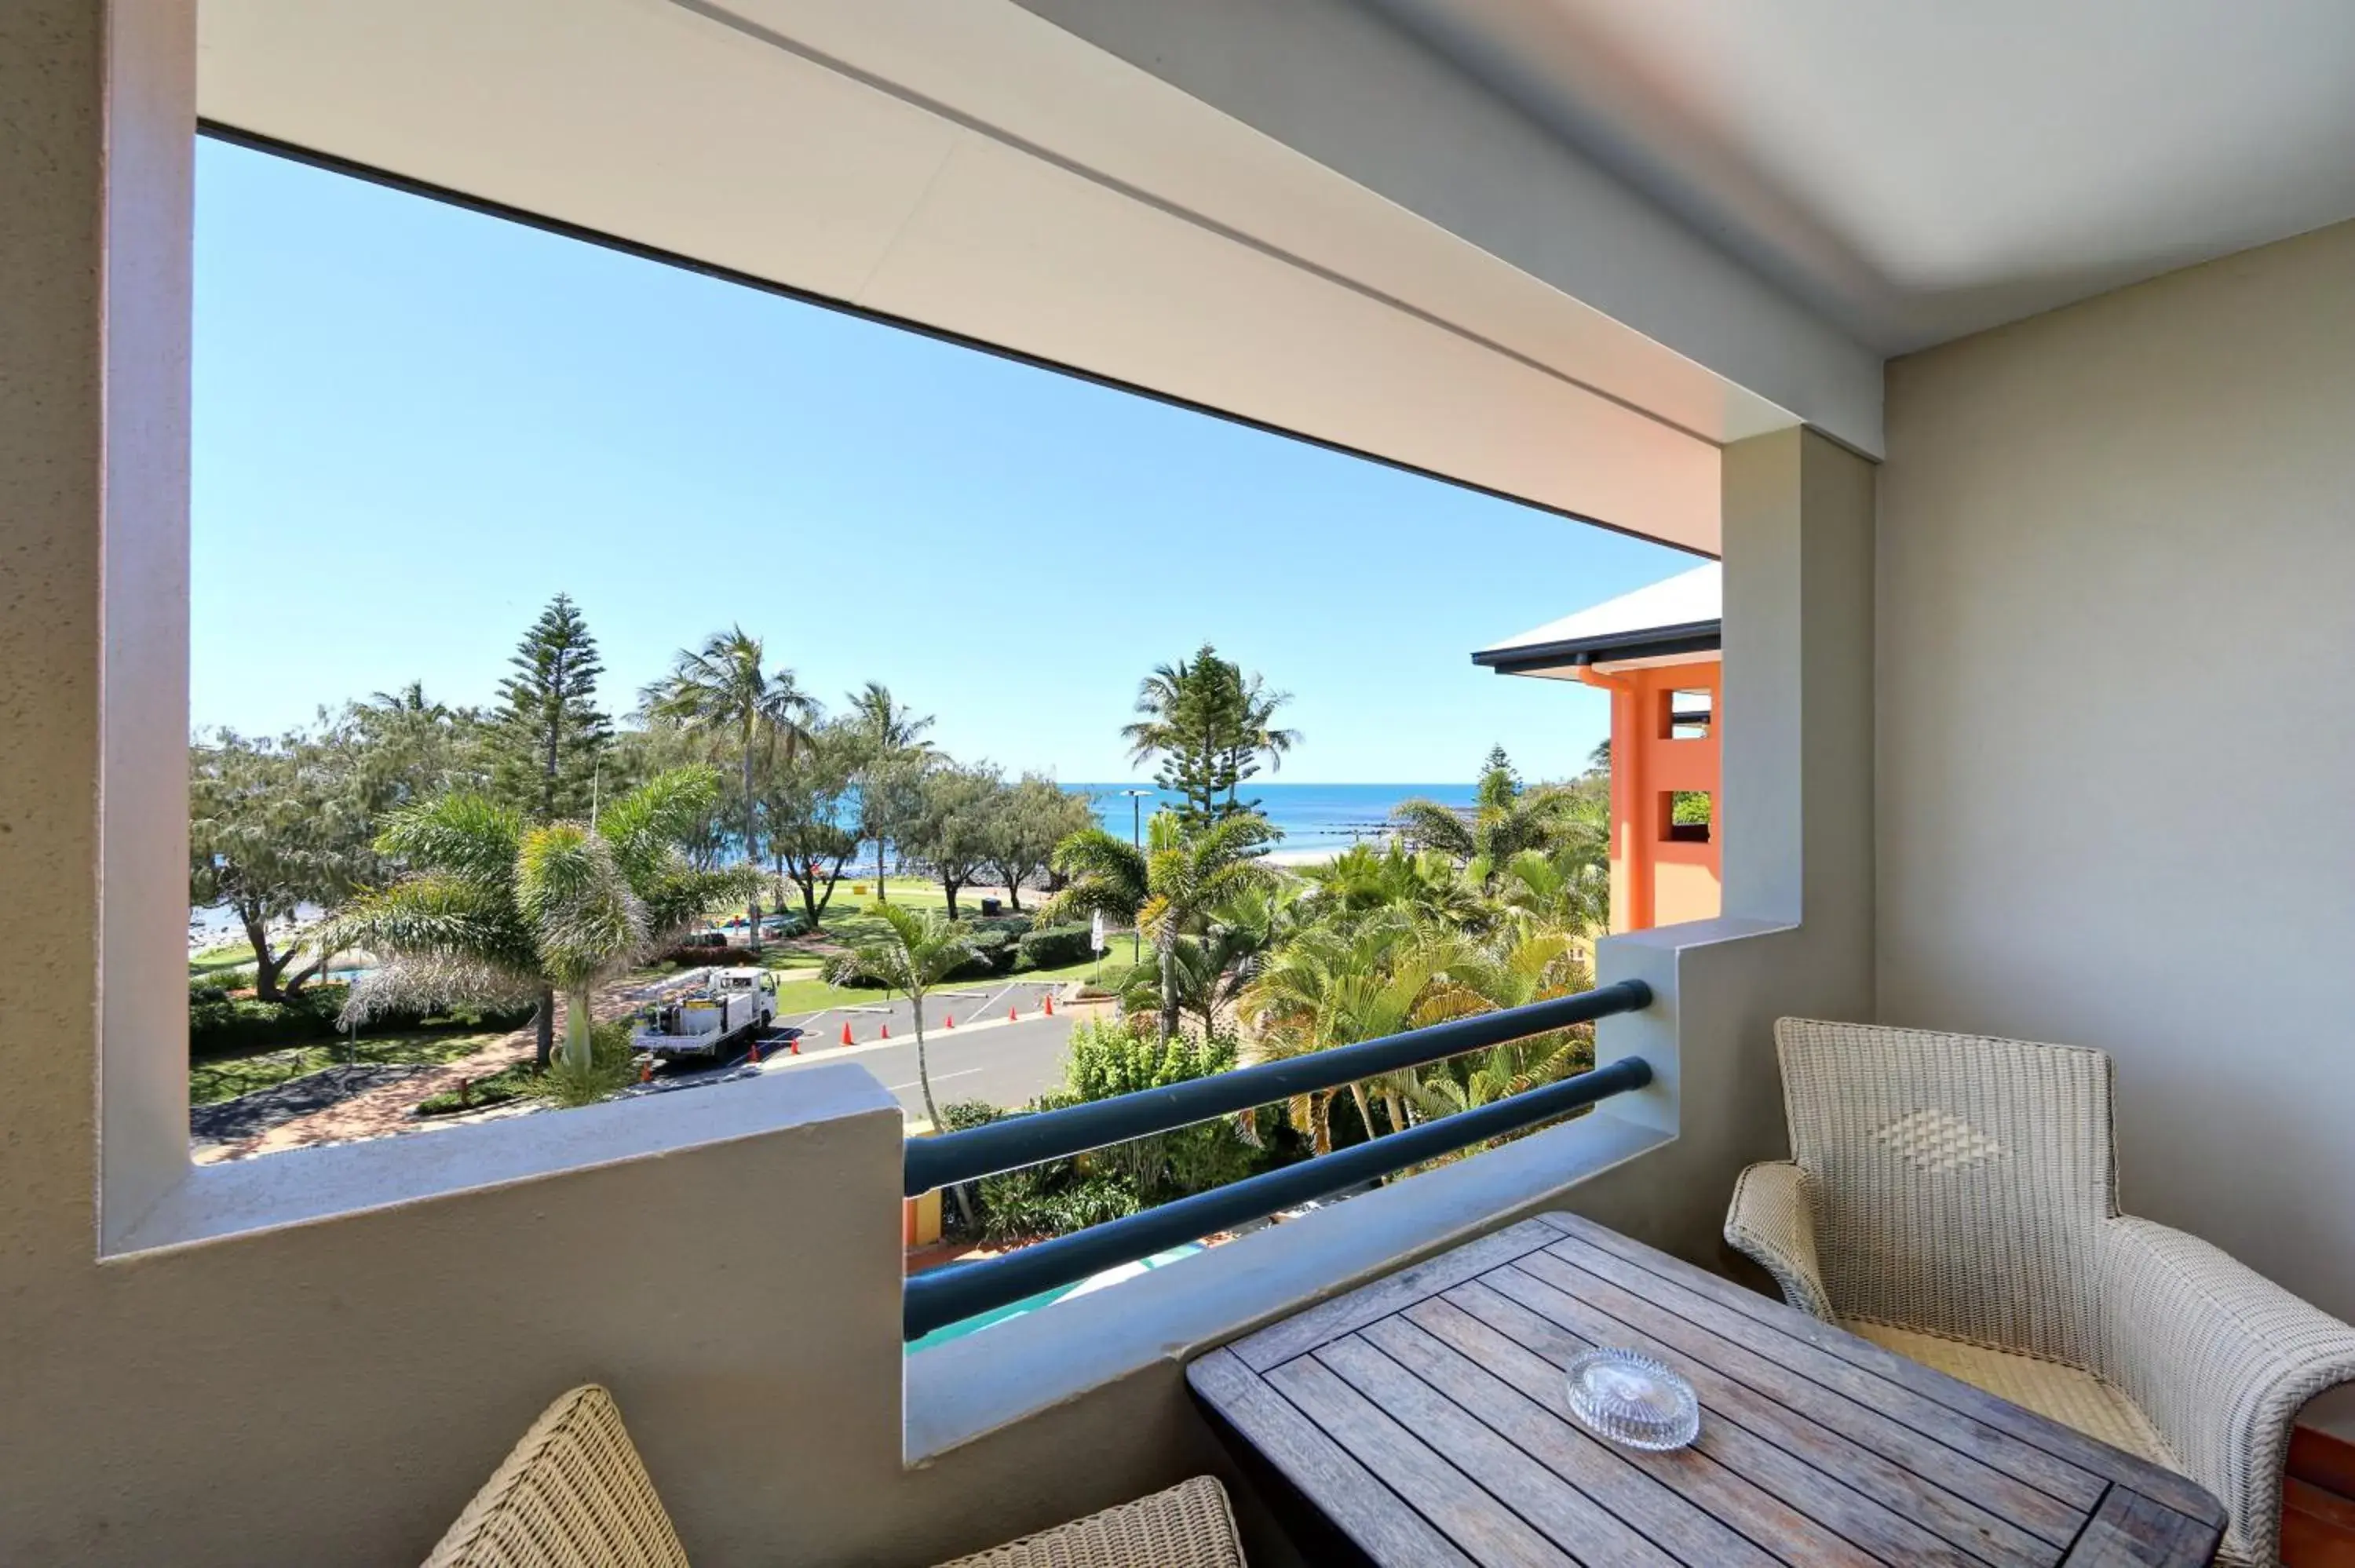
306, 1186
970, 1387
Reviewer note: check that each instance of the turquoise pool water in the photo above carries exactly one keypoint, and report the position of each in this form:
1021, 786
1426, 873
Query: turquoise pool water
974, 1325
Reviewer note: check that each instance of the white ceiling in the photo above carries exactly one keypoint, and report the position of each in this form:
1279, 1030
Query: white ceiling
1921, 171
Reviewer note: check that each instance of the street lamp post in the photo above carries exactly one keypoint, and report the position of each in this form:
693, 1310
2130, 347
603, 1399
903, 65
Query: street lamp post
1136, 840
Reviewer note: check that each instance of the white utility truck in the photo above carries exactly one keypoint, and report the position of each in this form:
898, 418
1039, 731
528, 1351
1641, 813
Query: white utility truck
707, 1012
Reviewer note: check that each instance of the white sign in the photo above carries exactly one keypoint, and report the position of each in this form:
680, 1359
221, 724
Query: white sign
1096, 932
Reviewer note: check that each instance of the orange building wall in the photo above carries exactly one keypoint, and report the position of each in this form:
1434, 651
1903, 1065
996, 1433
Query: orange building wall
1658, 879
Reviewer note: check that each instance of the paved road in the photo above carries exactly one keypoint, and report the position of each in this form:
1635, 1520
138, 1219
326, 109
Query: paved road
1004, 1063
984, 1057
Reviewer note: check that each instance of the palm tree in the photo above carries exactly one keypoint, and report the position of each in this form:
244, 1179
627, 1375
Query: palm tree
1329, 987
1506, 823
1103, 873
491, 912
1255, 736
1210, 725
1530, 961
1429, 887
914, 953
1570, 888
1215, 968
722, 691
1188, 876
889, 737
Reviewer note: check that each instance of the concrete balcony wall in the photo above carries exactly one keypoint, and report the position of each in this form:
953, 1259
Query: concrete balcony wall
301, 1389
2117, 604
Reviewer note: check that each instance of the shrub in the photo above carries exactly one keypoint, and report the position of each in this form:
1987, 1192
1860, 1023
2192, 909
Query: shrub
1057, 946
994, 953
701, 954
1022, 1205
1110, 1056
610, 1069
957, 1116
221, 1025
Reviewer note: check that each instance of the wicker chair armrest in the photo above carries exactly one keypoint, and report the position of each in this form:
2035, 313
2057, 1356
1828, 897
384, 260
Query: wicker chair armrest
1772, 1220
2221, 1358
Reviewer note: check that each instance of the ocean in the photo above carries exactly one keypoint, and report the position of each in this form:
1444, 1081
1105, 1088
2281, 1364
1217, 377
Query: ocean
1313, 818
1322, 817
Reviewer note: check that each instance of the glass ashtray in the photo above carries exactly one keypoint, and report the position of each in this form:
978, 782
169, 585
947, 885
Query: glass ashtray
1633, 1401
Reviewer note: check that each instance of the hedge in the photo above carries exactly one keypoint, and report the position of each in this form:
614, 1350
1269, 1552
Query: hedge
220, 1026
1057, 946
995, 952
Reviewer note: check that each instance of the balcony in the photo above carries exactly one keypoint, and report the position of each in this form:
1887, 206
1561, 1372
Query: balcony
2032, 718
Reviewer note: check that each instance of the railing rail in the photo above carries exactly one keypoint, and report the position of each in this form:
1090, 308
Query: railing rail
950, 1295
1017, 1141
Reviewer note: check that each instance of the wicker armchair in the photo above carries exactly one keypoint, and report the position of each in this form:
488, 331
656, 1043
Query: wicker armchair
1188, 1526
1955, 1199
574, 1494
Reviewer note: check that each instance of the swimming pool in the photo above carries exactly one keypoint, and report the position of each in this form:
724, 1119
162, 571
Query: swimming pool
974, 1325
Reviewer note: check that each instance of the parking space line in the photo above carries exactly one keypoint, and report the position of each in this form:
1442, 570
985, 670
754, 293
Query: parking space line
937, 1077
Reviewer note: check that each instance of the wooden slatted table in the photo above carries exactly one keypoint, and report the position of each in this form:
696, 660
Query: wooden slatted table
1424, 1418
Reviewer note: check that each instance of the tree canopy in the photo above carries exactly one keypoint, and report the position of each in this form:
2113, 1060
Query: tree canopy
1211, 726
548, 734
489, 909
724, 692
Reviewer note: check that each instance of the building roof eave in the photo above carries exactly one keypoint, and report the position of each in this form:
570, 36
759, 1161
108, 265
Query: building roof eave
1651, 642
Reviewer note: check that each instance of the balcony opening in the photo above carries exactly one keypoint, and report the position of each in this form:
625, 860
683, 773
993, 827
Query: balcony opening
1684, 816
1686, 714
611, 681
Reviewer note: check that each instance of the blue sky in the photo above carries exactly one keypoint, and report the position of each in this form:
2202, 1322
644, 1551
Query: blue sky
415, 424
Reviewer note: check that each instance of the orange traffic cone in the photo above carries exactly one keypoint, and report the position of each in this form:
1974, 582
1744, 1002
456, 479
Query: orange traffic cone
794, 1043
1012, 1016
646, 1072
1047, 1000
886, 1034
755, 1057
846, 1032
952, 1023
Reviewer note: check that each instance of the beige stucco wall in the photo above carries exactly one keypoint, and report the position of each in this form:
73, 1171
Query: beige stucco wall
2117, 732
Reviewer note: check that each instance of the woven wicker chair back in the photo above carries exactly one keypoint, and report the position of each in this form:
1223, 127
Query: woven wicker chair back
1958, 1182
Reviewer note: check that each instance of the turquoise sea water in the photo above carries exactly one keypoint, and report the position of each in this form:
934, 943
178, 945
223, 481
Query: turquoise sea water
1310, 816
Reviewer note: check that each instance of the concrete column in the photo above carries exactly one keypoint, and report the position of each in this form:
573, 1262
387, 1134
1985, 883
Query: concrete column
94, 208
1798, 934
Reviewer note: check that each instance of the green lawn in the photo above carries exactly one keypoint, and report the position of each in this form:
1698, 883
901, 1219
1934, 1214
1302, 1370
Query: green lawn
236, 956
226, 1077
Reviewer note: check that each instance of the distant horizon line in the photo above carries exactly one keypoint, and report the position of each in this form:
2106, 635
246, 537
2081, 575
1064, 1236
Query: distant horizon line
1280, 783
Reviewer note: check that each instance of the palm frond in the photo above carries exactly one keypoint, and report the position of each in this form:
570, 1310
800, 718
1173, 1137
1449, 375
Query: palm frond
464, 836
672, 808
1427, 824
582, 912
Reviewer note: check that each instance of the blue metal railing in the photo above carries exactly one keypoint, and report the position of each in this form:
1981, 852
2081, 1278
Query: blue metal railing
950, 1295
